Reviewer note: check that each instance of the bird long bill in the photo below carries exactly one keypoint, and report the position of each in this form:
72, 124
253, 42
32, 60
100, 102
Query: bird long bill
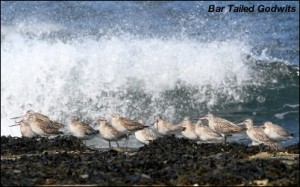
14, 125
100, 118
202, 118
16, 117
239, 124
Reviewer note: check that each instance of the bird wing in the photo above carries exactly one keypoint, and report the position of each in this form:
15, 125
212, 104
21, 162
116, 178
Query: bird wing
208, 130
117, 134
193, 126
57, 125
168, 125
226, 126
281, 131
47, 128
151, 134
42, 116
54, 124
130, 124
88, 130
260, 135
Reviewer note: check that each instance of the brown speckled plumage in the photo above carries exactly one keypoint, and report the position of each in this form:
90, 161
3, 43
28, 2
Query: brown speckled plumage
257, 134
275, 132
145, 135
189, 129
108, 132
164, 127
125, 125
41, 127
81, 129
42, 117
221, 125
206, 134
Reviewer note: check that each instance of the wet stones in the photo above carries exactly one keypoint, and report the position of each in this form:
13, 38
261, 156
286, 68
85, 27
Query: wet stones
165, 161
24, 145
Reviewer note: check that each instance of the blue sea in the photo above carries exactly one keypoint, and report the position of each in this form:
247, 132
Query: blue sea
141, 59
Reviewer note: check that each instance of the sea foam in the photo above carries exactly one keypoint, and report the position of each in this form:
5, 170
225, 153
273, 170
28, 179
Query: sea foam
130, 76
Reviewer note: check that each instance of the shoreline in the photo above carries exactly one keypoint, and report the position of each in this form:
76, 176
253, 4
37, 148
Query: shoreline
166, 161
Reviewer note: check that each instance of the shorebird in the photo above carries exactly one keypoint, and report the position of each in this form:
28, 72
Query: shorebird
41, 127
145, 135
222, 126
25, 129
257, 134
189, 129
164, 127
41, 117
275, 132
126, 126
82, 130
206, 134
108, 132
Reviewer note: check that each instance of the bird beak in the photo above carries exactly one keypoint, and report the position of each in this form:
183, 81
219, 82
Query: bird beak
202, 118
240, 124
263, 126
16, 117
14, 125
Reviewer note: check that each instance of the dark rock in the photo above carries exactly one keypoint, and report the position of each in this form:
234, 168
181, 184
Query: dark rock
166, 161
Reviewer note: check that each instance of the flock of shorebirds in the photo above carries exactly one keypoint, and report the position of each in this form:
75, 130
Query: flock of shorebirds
218, 129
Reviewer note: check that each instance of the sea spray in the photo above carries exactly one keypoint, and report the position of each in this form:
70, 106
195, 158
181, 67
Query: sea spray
87, 77
175, 60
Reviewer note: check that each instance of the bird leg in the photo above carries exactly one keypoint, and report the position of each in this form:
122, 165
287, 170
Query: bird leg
127, 138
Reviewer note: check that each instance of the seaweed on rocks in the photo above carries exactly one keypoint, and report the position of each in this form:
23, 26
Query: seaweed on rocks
165, 161
24, 145
293, 148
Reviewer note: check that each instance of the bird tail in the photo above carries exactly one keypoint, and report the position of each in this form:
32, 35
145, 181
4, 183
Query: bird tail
96, 132
178, 129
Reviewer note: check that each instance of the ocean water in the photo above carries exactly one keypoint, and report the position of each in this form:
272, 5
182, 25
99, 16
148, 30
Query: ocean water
140, 59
